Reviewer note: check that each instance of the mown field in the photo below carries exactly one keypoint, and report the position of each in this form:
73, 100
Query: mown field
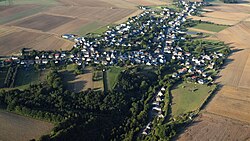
189, 97
210, 27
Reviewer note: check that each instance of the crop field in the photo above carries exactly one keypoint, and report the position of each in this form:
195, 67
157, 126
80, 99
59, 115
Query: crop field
216, 20
189, 97
50, 19
50, 42
213, 127
13, 42
18, 12
43, 22
15, 127
210, 27
146, 2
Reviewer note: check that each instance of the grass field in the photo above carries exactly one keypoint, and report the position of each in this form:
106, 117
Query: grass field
102, 29
189, 97
112, 76
210, 27
3, 73
28, 76
95, 27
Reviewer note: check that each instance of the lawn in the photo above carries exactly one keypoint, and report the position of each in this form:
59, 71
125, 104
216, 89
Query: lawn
210, 27
26, 76
189, 97
112, 76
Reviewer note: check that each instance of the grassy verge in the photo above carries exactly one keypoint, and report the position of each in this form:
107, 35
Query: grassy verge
189, 97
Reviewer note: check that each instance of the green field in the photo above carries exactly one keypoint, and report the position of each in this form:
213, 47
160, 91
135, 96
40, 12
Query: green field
28, 76
91, 27
189, 97
3, 73
112, 76
210, 27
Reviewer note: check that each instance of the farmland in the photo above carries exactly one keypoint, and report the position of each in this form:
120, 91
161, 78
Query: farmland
47, 20
15, 127
210, 27
189, 97
228, 113
43, 22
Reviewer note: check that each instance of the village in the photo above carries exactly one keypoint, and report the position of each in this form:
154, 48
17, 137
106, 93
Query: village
154, 38
149, 38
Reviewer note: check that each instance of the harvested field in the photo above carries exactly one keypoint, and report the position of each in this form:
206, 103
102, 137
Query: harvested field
17, 12
43, 22
50, 42
93, 13
237, 16
230, 8
215, 20
87, 3
70, 27
210, 127
231, 102
146, 2
13, 42
237, 36
19, 128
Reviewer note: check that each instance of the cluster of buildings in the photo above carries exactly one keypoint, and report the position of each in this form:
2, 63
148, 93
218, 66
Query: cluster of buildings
149, 38
156, 110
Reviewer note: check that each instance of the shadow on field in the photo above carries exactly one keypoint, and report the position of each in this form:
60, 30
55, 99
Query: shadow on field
72, 82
